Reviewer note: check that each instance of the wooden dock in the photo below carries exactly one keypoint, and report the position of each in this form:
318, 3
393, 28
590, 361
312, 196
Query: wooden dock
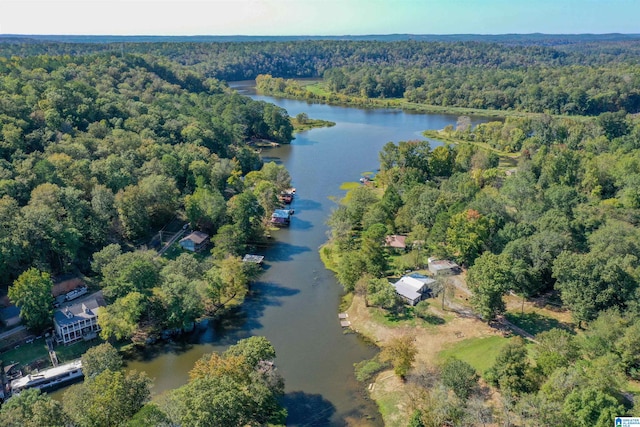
343, 320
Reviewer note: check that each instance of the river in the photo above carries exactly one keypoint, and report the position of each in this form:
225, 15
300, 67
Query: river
295, 302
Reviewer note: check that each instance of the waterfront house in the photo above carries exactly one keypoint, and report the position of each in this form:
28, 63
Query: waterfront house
78, 321
195, 241
414, 287
281, 217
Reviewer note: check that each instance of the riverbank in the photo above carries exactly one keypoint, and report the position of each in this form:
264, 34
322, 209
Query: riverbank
316, 92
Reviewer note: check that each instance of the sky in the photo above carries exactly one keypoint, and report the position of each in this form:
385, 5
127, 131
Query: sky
317, 17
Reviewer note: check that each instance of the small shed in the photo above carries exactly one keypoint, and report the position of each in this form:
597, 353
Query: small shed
443, 267
195, 241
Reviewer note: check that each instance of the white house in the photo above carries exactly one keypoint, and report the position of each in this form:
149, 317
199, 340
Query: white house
414, 287
78, 321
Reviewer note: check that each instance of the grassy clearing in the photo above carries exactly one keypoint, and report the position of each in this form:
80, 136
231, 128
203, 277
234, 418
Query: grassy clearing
317, 89
534, 323
324, 95
632, 387
74, 351
27, 353
388, 403
480, 353
441, 136
403, 318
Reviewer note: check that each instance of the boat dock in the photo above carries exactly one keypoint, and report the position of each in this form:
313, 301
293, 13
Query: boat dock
343, 320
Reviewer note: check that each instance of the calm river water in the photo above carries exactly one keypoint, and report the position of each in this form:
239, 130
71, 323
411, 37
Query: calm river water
295, 303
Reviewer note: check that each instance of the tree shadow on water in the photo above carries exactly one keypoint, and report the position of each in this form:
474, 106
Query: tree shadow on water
300, 224
309, 410
285, 251
306, 205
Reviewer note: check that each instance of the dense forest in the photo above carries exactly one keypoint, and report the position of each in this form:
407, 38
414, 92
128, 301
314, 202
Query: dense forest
567, 78
99, 149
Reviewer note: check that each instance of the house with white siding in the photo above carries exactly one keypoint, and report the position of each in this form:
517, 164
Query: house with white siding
78, 321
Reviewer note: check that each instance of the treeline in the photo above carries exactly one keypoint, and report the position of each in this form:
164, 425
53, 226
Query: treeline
570, 90
100, 149
570, 79
236, 388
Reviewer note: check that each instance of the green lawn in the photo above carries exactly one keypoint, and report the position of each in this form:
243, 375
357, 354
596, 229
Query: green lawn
26, 353
67, 353
404, 317
478, 352
534, 323
388, 406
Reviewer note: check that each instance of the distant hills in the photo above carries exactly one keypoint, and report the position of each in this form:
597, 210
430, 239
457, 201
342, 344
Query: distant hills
535, 38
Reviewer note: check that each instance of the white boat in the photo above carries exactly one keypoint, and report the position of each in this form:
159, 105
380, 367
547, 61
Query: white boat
49, 378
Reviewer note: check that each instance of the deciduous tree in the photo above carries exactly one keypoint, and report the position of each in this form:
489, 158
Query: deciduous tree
101, 358
31, 292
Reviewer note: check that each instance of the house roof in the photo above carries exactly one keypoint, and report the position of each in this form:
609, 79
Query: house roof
414, 281
406, 290
281, 213
442, 265
396, 241
253, 258
413, 285
77, 312
196, 237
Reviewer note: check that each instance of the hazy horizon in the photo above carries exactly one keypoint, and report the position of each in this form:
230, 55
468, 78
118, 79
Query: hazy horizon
317, 17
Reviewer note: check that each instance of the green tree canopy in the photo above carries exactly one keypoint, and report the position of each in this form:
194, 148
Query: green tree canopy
31, 292
101, 358
30, 408
108, 399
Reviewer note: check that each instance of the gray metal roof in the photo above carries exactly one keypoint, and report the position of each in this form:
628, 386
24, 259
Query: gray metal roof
77, 312
407, 291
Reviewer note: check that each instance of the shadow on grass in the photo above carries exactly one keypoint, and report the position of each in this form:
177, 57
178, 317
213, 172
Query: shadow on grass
432, 319
534, 323
400, 315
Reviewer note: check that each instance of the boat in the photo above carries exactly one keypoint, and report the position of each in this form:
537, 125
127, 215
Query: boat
49, 378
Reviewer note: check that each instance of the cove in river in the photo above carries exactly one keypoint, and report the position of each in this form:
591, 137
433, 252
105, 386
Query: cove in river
295, 302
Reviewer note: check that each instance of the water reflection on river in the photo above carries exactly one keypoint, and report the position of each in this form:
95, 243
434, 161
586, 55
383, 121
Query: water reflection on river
295, 303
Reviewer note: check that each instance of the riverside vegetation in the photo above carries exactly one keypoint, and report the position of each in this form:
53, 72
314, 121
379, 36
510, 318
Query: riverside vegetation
560, 224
